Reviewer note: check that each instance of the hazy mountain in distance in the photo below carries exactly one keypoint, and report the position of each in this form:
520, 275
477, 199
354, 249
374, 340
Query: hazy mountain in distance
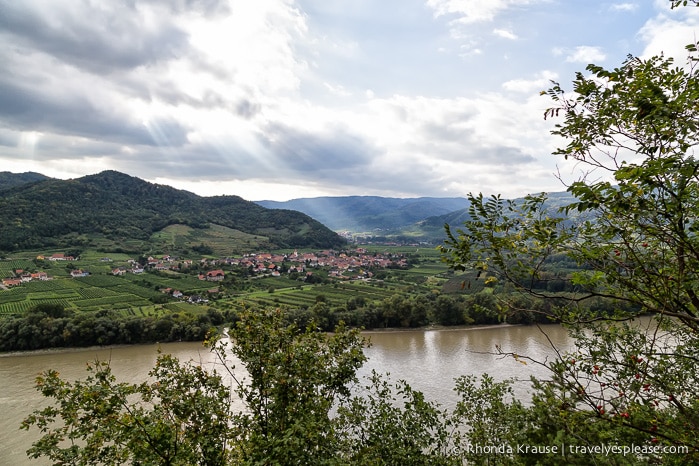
369, 213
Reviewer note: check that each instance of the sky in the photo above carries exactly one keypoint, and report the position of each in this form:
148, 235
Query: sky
285, 99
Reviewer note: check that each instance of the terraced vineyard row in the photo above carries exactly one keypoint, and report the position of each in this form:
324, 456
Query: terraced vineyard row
93, 293
335, 295
18, 307
88, 293
131, 288
8, 267
113, 302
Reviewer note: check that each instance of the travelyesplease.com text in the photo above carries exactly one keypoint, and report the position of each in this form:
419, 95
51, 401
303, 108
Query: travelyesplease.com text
563, 449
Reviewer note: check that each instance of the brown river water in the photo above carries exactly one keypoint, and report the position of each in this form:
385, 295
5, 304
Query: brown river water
429, 360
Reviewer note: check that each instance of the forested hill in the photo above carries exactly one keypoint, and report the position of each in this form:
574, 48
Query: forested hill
121, 208
11, 180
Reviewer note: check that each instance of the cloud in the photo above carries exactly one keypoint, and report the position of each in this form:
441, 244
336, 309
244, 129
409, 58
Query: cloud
316, 151
466, 21
25, 108
386, 146
505, 34
542, 82
669, 32
624, 7
75, 33
389, 98
438, 143
9, 138
585, 54
474, 11
337, 89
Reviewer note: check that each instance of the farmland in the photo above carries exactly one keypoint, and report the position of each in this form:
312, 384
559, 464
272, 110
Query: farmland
100, 298
305, 296
143, 293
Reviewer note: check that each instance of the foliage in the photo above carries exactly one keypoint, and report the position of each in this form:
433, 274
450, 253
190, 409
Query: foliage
293, 379
48, 326
11, 180
394, 424
178, 418
122, 208
297, 387
302, 404
632, 231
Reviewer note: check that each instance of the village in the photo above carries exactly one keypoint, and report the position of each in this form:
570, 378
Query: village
354, 264
342, 265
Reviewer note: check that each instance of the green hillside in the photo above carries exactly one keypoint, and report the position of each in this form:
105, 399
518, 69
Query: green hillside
112, 209
11, 180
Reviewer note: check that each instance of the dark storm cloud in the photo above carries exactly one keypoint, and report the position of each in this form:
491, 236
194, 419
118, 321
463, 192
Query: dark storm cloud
331, 149
105, 37
27, 109
8, 138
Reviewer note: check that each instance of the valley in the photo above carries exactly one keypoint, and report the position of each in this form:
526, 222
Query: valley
112, 259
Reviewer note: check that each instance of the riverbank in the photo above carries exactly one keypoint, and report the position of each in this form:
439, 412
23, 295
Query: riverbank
429, 328
429, 359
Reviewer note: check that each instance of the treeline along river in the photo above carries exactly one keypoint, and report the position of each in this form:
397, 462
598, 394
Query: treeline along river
429, 360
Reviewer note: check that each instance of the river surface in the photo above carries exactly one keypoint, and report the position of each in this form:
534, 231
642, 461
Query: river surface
429, 360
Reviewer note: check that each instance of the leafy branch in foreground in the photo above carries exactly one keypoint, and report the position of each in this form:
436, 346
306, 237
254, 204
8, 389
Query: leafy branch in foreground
290, 381
632, 233
181, 417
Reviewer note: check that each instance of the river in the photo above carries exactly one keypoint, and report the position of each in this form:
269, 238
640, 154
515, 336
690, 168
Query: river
429, 360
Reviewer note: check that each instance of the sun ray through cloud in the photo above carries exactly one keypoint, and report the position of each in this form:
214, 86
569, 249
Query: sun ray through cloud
395, 98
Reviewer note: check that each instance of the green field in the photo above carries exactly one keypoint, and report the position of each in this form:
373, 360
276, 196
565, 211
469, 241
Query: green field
306, 296
140, 294
223, 241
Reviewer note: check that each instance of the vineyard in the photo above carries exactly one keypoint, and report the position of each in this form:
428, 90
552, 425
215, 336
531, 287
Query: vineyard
141, 294
8, 267
85, 294
306, 296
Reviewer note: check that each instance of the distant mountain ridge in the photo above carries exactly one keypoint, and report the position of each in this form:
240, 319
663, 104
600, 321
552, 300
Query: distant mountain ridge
37, 211
394, 219
370, 213
432, 228
50, 212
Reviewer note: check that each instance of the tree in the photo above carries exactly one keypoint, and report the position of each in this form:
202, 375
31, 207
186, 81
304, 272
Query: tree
392, 424
294, 378
301, 404
178, 418
632, 231
290, 382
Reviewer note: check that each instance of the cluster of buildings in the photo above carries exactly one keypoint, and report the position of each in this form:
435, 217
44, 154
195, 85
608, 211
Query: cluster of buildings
56, 257
355, 264
22, 277
343, 265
